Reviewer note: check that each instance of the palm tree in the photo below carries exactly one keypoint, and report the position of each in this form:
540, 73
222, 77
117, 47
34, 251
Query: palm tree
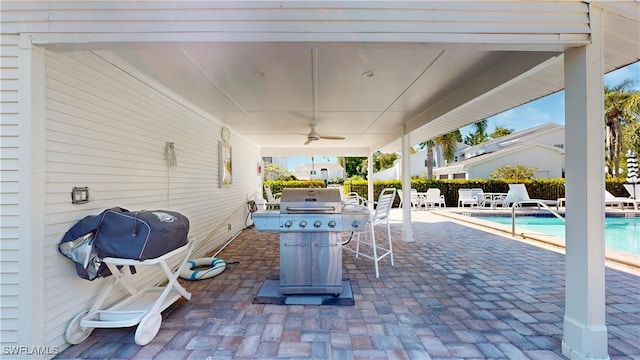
479, 135
621, 107
448, 143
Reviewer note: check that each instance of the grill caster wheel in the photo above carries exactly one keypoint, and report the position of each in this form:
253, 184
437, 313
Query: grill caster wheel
75, 333
148, 328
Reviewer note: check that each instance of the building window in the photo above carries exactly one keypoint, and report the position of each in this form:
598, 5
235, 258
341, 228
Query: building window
459, 176
443, 177
267, 159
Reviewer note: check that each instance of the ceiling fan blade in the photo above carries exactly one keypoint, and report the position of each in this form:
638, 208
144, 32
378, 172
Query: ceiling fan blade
331, 137
308, 142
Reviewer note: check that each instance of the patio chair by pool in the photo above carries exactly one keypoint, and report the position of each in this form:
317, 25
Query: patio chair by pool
633, 190
479, 195
518, 194
465, 197
379, 216
433, 198
612, 200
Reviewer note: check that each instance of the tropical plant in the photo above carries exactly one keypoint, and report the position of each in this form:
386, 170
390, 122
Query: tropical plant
449, 144
513, 173
621, 109
479, 135
500, 131
275, 172
631, 137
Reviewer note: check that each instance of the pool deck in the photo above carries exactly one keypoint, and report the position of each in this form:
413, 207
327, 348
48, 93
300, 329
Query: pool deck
470, 216
455, 292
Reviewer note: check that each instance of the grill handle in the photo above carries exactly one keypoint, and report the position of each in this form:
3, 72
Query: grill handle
311, 209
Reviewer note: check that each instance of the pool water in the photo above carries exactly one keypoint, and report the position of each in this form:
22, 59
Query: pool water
622, 234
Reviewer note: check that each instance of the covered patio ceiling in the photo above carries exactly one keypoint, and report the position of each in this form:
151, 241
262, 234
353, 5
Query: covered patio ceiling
366, 71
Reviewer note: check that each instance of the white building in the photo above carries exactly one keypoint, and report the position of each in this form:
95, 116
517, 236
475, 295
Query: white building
540, 147
318, 171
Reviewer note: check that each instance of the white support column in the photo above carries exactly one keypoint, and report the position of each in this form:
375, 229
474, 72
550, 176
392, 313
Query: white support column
32, 193
370, 195
407, 234
585, 333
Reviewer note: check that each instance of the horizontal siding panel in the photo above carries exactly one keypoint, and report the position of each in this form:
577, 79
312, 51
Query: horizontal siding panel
9, 108
8, 199
10, 236
453, 17
9, 60
373, 27
107, 129
286, 15
9, 43
8, 73
9, 126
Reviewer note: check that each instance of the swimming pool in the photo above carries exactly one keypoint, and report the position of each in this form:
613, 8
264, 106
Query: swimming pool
621, 233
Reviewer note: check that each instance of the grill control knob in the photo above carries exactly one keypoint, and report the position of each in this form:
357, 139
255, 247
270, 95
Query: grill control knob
288, 223
332, 224
317, 224
303, 224
355, 224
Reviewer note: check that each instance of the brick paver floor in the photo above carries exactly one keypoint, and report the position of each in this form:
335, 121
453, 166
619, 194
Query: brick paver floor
454, 293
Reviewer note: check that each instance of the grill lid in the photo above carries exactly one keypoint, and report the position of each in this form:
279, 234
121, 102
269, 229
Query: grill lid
310, 200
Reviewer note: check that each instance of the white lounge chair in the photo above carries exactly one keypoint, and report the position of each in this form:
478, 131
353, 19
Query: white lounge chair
612, 200
433, 198
518, 194
465, 197
633, 190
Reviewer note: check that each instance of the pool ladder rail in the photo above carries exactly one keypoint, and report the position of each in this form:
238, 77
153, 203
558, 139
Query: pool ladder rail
537, 202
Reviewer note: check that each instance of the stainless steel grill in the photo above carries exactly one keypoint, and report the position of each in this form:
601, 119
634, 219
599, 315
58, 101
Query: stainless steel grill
310, 222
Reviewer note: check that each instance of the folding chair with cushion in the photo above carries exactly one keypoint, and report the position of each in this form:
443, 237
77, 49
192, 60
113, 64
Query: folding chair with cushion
379, 216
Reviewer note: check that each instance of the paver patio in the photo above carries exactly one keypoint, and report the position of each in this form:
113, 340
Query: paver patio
454, 293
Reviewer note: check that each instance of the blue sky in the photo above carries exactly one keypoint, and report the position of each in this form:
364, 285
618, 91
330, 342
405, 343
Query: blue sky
549, 109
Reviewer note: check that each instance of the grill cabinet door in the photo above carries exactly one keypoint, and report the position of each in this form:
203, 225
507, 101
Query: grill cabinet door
295, 264
326, 261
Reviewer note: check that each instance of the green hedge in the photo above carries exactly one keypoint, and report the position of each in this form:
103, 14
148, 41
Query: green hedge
549, 189
278, 185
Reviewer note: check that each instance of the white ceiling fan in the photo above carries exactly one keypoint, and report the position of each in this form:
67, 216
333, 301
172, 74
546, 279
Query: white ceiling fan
313, 135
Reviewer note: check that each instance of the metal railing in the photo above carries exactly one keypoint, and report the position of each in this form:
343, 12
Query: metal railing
537, 202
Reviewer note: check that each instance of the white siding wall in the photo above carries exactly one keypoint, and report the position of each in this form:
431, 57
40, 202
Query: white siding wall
107, 129
529, 157
9, 191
